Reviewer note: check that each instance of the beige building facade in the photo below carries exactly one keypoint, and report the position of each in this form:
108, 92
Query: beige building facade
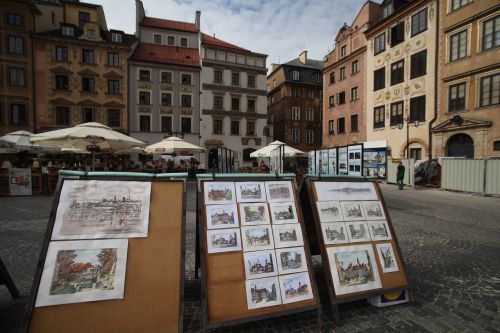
468, 122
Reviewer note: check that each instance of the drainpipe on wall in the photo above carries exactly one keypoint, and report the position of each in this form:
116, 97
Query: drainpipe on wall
436, 79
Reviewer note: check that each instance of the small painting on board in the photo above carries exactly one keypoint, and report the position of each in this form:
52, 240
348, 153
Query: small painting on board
287, 235
291, 260
353, 269
283, 212
295, 287
352, 210
257, 238
387, 258
358, 231
83, 271
254, 213
250, 191
334, 233
373, 210
263, 292
219, 193
329, 211
328, 191
259, 264
223, 240
279, 191
222, 216
379, 230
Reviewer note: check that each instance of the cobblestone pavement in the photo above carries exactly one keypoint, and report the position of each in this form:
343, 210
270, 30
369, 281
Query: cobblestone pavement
450, 242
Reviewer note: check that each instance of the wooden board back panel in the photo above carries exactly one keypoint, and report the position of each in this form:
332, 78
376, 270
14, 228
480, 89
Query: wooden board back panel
153, 279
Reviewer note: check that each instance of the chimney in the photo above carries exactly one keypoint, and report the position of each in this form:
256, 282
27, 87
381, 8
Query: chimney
303, 57
273, 67
139, 15
197, 21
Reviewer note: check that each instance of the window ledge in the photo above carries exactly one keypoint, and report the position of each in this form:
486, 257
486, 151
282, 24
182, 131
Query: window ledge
417, 76
480, 108
379, 128
449, 62
488, 50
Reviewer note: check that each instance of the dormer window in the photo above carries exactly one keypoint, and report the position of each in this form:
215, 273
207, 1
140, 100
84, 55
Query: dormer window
387, 10
91, 34
295, 75
116, 37
67, 30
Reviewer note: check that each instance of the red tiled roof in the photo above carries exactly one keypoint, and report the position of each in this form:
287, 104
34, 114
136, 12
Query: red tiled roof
207, 39
165, 54
168, 24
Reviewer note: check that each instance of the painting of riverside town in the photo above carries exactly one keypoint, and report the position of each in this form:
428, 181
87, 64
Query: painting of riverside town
358, 231
334, 233
283, 212
379, 230
260, 264
223, 240
291, 260
263, 292
254, 213
250, 192
352, 210
102, 209
295, 287
222, 216
329, 211
327, 191
353, 268
257, 238
286, 235
373, 210
279, 191
219, 193
386, 258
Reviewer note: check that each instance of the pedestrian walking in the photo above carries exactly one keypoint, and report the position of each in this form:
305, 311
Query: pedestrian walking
400, 176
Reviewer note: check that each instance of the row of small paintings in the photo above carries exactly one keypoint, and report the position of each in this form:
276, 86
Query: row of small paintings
353, 268
226, 216
333, 211
259, 264
355, 231
232, 192
254, 238
278, 290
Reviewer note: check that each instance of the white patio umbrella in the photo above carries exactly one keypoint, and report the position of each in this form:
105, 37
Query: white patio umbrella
20, 140
266, 151
173, 145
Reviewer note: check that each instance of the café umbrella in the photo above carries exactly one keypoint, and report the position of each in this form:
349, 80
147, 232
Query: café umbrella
20, 141
172, 146
266, 151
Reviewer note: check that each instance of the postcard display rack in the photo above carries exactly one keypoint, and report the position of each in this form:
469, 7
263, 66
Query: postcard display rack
358, 246
113, 257
255, 262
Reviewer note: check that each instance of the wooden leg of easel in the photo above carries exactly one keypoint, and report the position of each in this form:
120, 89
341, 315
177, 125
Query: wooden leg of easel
320, 317
197, 247
336, 314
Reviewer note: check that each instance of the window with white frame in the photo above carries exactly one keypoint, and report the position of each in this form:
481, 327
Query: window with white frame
295, 75
171, 40
490, 38
116, 37
354, 94
458, 45
343, 51
489, 90
295, 135
157, 39
186, 79
309, 136
379, 44
331, 127
456, 97
186, 101
310, 114
296, 113
419, 22
457, 4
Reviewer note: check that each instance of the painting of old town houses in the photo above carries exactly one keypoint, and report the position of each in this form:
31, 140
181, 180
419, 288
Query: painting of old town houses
223, 240
353, 269
222, 216
358, 231
295, 287
102, 209
329, 211
83, 271
257, 238
334, 233
291, 260
250, 192
279, 191
373, 210
352, 210
379, 230
387, 258
263, 292
219, 193
254, 213
260, 264
328, 191
287, 235
283, 212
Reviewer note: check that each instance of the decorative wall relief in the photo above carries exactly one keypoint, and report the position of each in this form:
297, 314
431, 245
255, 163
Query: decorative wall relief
387, 95
417, 87
378, 98
407, 89
431, 12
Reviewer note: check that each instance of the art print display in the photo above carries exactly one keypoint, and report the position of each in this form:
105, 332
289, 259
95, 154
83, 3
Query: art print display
354, 159
352, 210
379, 230
20, 181
257, 238
250, 192
223, 240
332, 161
291, 260
283, 212
219, 193
358, 231
342, 160
83, 271
324, 162
259, 264
387, 258
263, 292
102, 209
328, 191
353, 269
279, 191
329, 211
373, 210
295, 287
334, 233
311, 162
254, 213
287, 235
222, 216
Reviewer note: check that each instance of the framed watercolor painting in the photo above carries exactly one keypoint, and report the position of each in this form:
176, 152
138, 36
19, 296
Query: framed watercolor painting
287, 235
329, 211
254, 213
283, 212
279, 191
258, 237
379, 230
334, 233
373, 210
222, 216
291, 260
250, 191
263, 292
259, 264
352, 210
223, 240
358, 231
386, 257
295, 287
219, 193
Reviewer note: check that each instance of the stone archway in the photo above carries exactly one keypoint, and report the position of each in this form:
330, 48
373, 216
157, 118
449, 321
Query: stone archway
402, 152
460, 145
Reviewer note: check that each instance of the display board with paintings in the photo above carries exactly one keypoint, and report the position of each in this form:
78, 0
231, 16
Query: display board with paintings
100, 256
359, 249
255, 258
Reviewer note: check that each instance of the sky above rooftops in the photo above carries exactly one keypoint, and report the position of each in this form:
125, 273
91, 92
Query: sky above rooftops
282, 29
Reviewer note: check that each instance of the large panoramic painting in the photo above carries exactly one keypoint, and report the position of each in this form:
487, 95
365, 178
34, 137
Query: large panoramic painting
328, 191
83, 271
90, 209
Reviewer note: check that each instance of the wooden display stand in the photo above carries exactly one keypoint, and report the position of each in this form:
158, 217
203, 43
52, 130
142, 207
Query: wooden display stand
154, 282
390, 282
224, 301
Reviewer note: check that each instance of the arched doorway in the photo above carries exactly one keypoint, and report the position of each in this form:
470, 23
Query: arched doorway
213, 159
460, 145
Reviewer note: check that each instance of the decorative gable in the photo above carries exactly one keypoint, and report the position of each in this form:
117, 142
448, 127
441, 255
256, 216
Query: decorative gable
458, 122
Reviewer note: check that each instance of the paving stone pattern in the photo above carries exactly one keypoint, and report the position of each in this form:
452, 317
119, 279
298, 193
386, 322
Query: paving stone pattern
450, 242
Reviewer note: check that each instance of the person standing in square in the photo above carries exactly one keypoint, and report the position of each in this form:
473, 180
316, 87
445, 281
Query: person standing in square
400, 176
